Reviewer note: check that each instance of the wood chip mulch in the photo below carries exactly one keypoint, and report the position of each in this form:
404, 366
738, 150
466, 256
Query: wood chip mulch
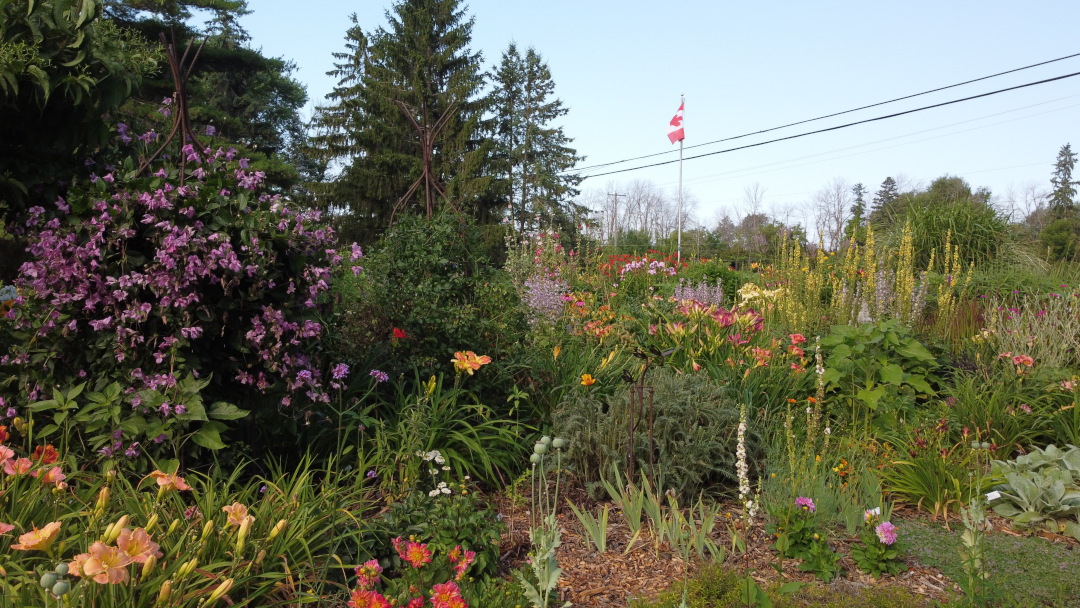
622, 574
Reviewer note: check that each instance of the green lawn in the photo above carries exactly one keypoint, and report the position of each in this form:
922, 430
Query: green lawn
1024, 571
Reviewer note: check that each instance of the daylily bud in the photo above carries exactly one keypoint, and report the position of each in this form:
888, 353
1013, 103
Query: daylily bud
260, 557
221, 590
19, 424
207, 529
186, 568
148, 566
102, 499
3, 573
151, 522
173, 526
116, 529
111, 475
166, 591
277, 529
242, 533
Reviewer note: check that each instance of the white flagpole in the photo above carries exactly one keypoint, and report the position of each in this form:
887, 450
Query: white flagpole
682, 104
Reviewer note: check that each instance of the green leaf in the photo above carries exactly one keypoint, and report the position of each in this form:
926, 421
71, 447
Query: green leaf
208, 437
226, 411
892, 374
789, 588
912, 349
870, 397
48, 430
919, 383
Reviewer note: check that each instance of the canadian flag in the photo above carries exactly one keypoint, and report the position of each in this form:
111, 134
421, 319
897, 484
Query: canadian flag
675, 129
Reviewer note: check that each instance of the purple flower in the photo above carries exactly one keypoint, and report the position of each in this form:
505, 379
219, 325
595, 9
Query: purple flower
371, 474
340, 371
303, 376
886, 532
160, 438
805, 503
379, 376
132, 451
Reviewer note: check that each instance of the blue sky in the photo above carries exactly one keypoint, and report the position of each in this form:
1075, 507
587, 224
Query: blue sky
621, 66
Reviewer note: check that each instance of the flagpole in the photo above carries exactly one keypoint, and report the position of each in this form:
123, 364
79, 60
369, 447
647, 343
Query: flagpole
682, 104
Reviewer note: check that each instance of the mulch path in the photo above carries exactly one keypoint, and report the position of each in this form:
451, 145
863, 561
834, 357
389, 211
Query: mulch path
615, 578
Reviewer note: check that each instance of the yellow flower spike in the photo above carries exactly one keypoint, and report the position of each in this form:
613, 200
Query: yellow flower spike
148, 566
555, 353
277, 529
221, 590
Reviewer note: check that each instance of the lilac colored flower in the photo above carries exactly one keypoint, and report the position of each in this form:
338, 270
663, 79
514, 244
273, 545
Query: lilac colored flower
379, 376
160, 438
262, 490
886, 532
371, 474
117, 434
304, 376
340, 371
180, 410
132, 451
210, 130
805, 503
11, 413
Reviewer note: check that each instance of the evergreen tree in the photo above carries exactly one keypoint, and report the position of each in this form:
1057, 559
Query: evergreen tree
853, 228
888, 193
418, 69
533, 154
252, 101
1062, 197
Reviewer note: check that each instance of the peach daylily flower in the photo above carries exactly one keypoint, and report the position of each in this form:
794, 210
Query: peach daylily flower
38, 539
237, 514
53, 476
138, 545
169, 481
5, 528
20, 466
6, 454
105, 564
75, 568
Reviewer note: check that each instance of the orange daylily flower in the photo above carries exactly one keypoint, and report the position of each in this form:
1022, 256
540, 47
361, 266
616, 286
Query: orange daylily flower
237, 514
38, 539
104, 564
3, 434
587, 380
169, 481
469, 361
138, 545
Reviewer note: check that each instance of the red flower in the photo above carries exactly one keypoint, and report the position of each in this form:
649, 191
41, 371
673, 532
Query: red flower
399, 334
46, 454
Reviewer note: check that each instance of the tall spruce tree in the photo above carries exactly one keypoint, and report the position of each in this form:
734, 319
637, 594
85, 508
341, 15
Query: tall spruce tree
418, 69
534, 155
854, 226
1062, 197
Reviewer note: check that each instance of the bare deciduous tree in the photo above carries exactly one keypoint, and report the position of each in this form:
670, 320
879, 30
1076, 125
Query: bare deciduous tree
832, 205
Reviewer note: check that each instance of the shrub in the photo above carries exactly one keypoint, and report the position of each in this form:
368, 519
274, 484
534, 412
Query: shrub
693, 434
145, 279
435, 285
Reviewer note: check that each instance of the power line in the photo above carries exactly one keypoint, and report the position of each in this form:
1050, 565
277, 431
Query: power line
831, 154
792, 124
838, 127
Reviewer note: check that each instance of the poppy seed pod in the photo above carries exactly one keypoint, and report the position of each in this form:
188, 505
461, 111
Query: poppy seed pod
558, 443
540, 448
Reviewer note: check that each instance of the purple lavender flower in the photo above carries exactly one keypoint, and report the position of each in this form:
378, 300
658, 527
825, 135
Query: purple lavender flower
340, 371
379, 376
371, 474
133, 450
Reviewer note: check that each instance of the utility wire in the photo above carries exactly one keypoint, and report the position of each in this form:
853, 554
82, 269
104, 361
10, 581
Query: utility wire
792, 124
838, 127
